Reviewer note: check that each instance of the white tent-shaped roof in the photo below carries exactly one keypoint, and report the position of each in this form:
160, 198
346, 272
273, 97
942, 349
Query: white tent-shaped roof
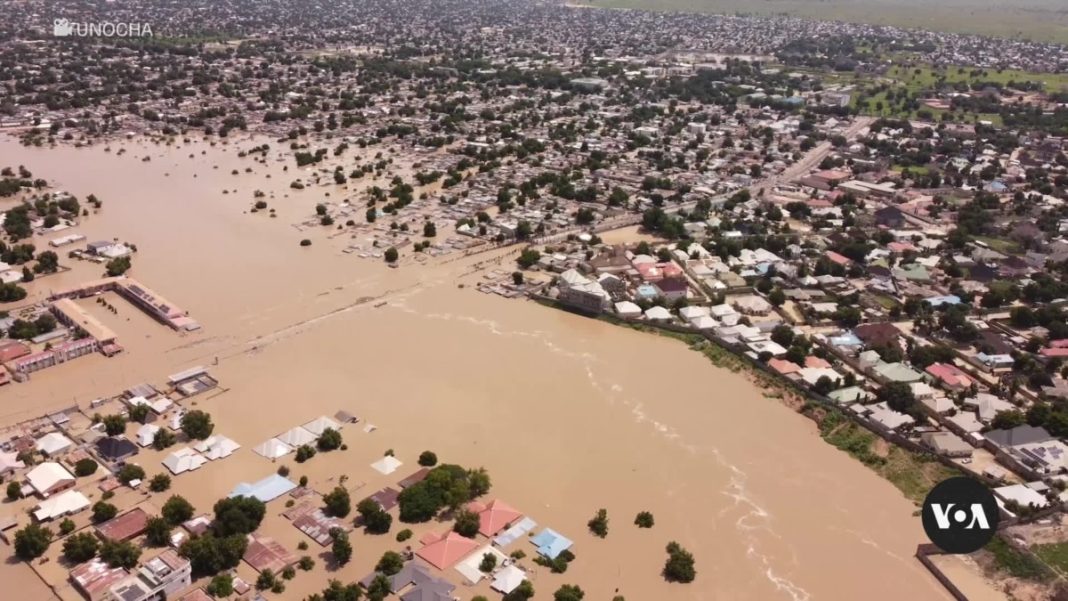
68, 502
146, 434
216, 447
508, 579
297, 436
704, 322
387, 465
53, 443
628, 309
184, 460
317, 425
273, 449
658, 314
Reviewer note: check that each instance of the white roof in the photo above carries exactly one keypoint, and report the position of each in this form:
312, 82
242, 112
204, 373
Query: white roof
657, 313
692, 313
317, 425
53, 443
1022, 494
628, 309
508, 579
387, 465
68, 502
704, 322
184, 460
47, 475
273, 449
468, 568
296, 437
216, 447
146, 434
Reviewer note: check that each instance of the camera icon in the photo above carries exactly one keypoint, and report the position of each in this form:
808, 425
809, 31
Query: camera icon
61, 28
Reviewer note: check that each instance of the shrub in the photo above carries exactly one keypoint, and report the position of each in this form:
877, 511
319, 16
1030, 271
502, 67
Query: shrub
644, 520
159, 483
598, 525
85, 467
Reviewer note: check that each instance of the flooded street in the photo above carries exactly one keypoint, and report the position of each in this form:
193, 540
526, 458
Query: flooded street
567, 414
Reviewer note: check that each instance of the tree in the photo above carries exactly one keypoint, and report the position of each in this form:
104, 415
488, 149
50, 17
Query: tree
391, 255
238, 515
209, 554
32, 541
568, 592
898, 395
1009, 419
130, 472
103, 511
644, 520
375, 519
304, 453
329, 440
428, 459
523, 592
679, 566
380, 588
139, 413
265, 580
120, 554
823, 385
118, 266
517, 278
47, 262
159, 483
177, 510
390, 563
114, 425
467, 524
783, 335
221, 586
528, 258
14, 491
158, 532
336, 591
488, 563
338, 503
197, 425
164, 439
429, 229
598, 525
80, 547
478, 483
342, 548
777, 297
85, 467
66, 527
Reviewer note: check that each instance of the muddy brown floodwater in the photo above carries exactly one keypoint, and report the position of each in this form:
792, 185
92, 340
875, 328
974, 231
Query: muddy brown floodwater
567, 414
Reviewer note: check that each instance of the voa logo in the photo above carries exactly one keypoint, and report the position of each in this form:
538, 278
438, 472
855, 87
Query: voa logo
971, 518
960, 515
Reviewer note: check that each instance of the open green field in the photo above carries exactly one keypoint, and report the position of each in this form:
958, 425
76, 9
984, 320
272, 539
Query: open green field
923, 77
1055, 555
1045, 20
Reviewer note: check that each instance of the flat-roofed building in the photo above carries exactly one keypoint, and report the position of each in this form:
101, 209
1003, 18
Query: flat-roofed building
72, 314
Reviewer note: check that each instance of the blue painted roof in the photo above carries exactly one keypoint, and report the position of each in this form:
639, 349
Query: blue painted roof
648, 290
266, 490
846, 339
551, 543
949, 299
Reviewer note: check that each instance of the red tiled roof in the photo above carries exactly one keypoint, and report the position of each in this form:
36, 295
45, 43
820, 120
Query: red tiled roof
444, 553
